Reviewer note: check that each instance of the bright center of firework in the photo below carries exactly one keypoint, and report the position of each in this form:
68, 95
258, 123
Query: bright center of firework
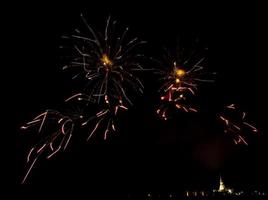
180, 72
177, 80
106, 60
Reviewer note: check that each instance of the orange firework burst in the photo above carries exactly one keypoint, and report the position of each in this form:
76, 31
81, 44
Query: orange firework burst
179, 85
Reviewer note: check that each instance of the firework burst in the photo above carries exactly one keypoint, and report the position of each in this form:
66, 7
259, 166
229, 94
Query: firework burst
108, 62
235, 124
180, 82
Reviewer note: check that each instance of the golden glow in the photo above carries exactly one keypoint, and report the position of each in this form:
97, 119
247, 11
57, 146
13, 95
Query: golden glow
180, 72
106, 60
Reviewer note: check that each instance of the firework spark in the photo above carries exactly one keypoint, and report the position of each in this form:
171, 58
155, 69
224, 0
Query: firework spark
105, 117
50, 143
235, 124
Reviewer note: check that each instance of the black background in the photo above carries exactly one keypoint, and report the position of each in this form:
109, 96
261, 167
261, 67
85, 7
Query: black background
147, 153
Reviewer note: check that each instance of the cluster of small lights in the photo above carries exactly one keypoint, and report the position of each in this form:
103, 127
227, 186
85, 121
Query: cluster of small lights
258, 193
194, 195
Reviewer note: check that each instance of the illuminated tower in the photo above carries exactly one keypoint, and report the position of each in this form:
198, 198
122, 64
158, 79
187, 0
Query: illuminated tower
224, 189
221, 186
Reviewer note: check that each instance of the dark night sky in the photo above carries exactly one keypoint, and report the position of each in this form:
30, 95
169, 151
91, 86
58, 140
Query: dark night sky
188, 151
